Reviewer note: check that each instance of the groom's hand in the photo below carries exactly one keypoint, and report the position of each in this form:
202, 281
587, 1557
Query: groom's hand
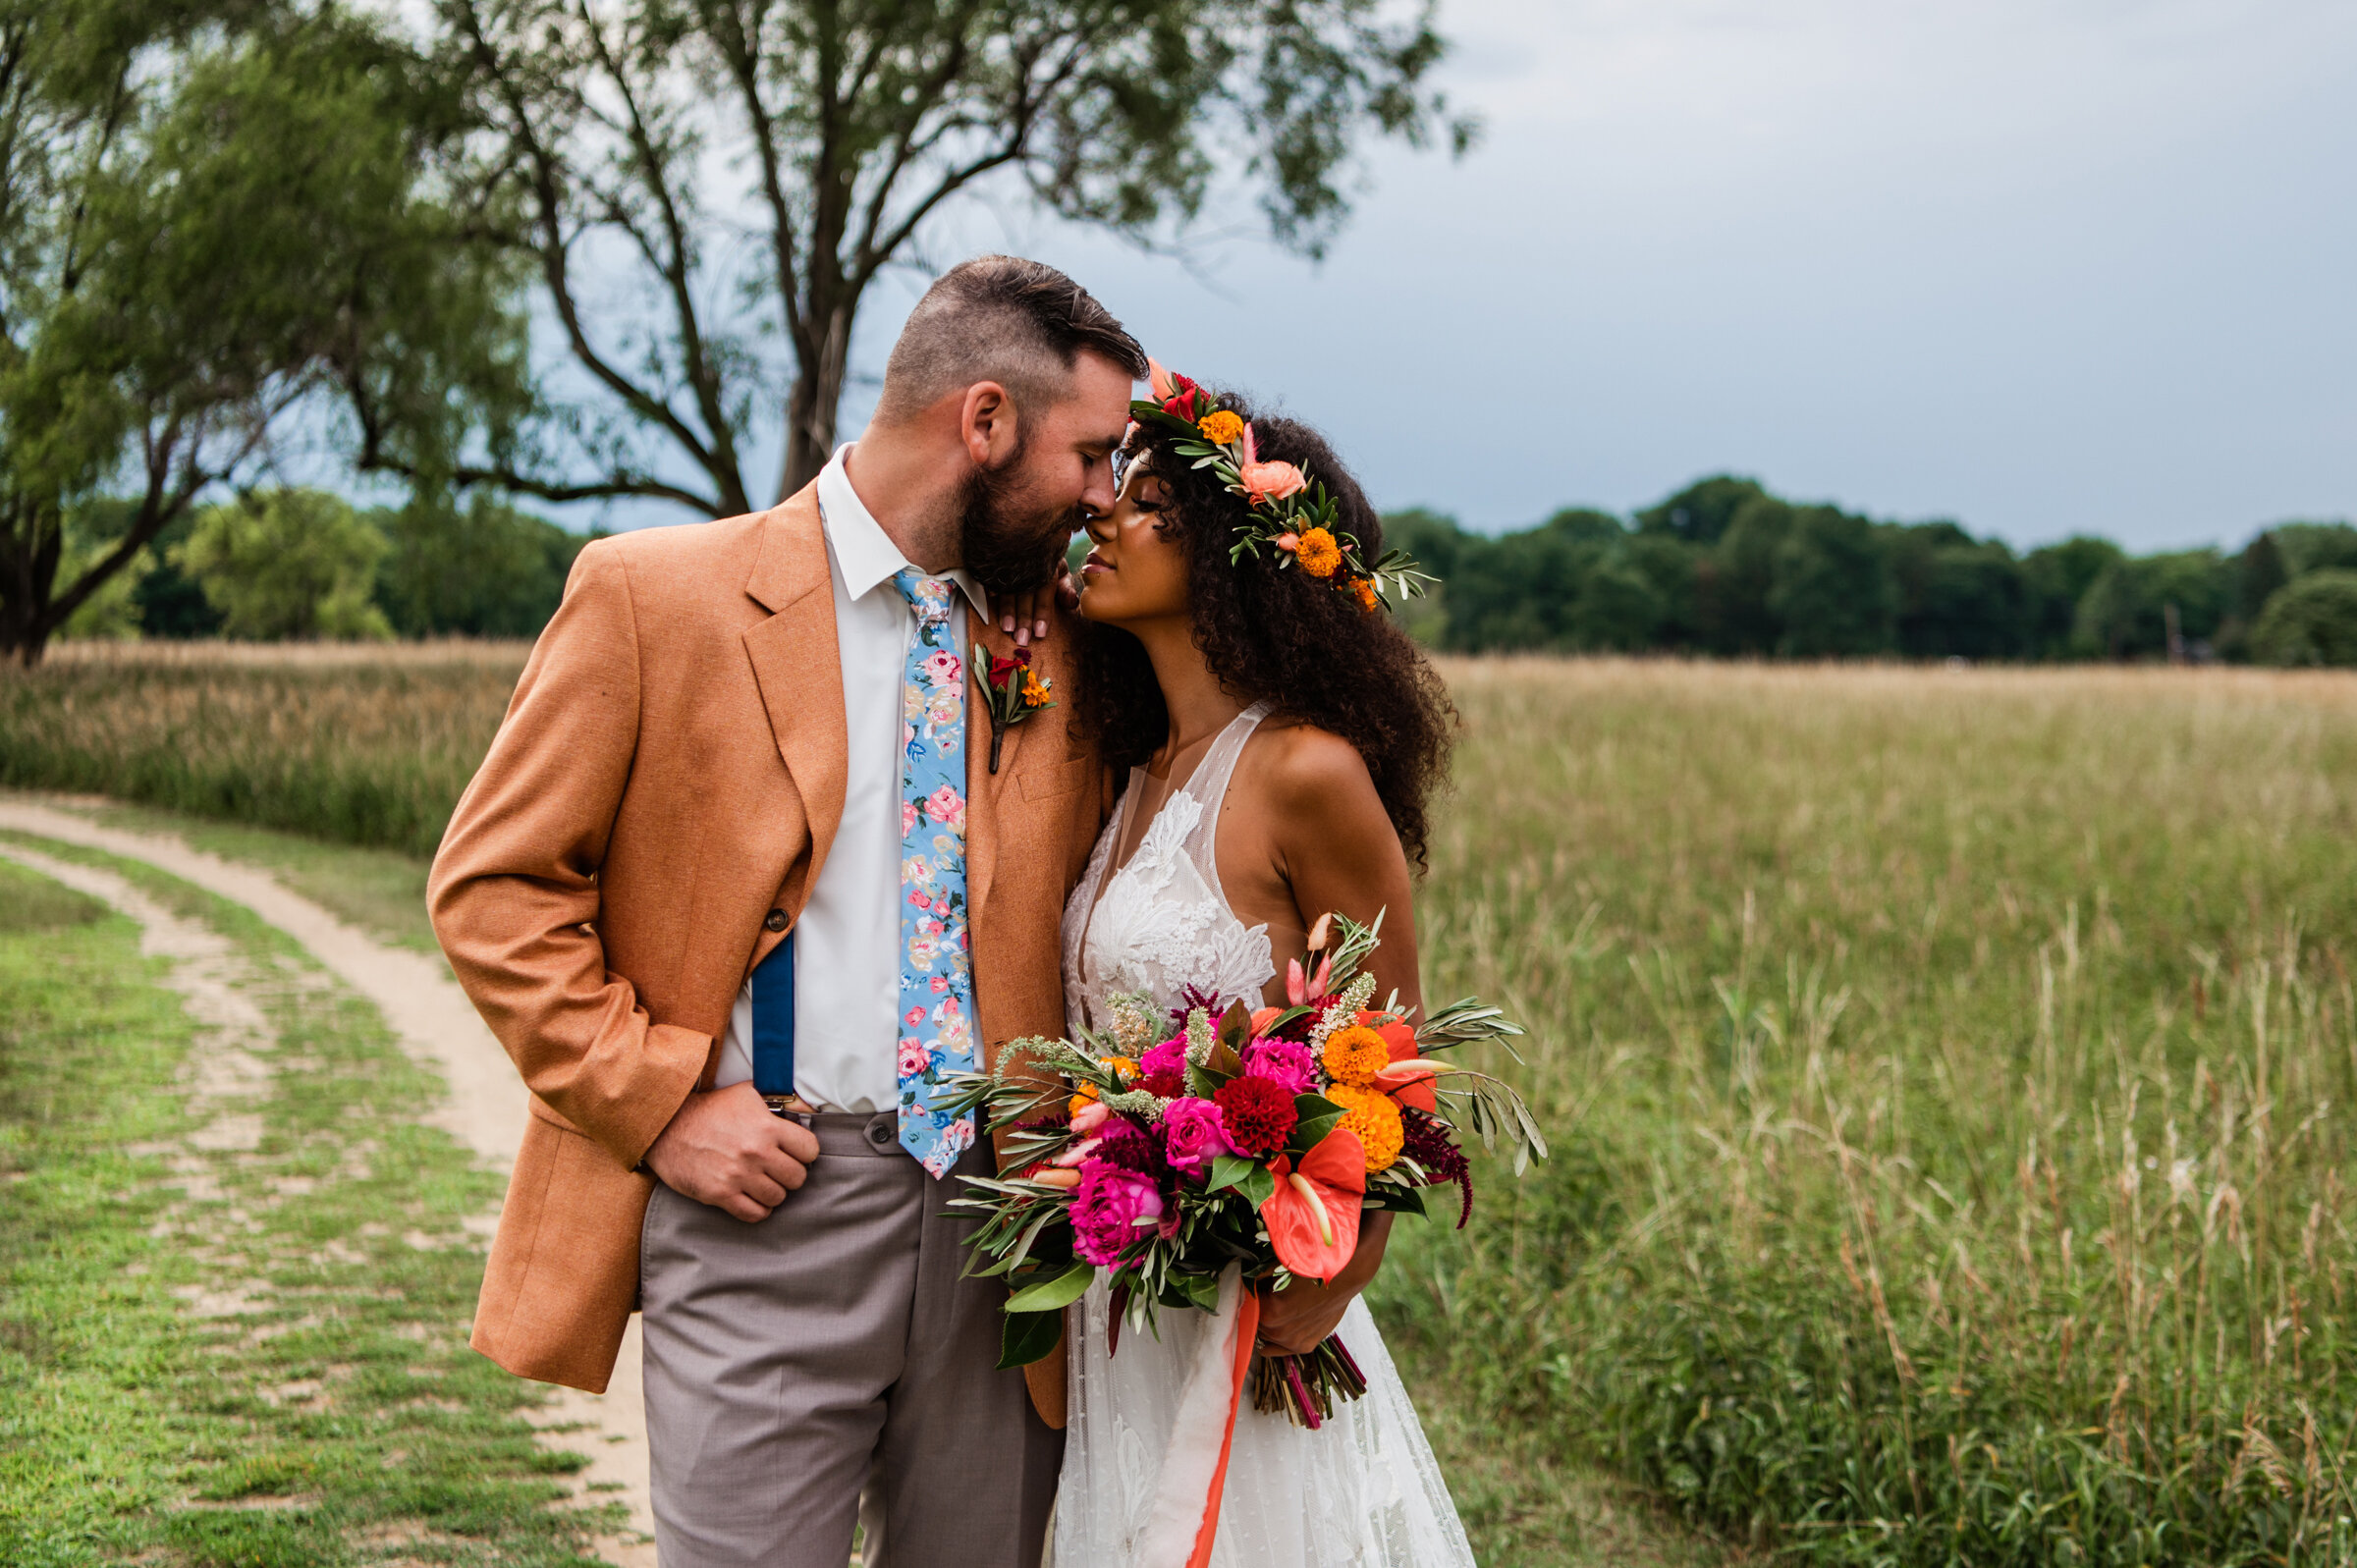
724, 1149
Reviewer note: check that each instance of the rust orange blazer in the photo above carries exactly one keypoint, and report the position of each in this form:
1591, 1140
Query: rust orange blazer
647, 825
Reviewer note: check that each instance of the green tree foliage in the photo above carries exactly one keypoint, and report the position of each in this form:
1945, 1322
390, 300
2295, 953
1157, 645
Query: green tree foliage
221, 219
2312, 620
288, 563
488, 570
2125, 611
1831, 588
742, 171
1725, 568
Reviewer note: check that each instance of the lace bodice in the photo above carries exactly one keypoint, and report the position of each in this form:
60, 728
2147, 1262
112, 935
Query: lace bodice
1160, 923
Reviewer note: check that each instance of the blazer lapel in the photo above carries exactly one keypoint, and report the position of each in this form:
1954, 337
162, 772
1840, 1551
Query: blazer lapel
798, 665
985, 791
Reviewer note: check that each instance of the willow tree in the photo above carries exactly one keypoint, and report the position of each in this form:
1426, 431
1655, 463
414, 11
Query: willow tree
697, 182
218, 231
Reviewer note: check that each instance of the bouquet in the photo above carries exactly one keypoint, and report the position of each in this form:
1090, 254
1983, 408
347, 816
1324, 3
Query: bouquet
1240, 1151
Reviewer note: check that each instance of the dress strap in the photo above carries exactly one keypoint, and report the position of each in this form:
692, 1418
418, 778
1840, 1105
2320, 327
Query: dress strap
1209, 787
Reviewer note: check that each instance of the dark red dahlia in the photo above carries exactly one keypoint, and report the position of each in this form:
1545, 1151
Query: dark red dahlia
1164, 1085
1124, 1143
1429, 1142
1258, 1113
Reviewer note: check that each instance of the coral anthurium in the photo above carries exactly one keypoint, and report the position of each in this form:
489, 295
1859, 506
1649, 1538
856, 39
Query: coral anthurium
1410, 1082
1313, 1214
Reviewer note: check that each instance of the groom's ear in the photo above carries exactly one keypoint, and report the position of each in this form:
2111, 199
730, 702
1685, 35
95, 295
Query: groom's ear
986, 424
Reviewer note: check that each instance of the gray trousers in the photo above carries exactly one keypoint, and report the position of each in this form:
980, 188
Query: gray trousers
789, 1361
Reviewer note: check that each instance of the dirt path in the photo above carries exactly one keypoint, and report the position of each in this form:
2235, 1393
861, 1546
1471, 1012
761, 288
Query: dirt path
431, 1018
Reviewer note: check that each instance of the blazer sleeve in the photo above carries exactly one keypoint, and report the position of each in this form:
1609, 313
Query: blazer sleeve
513, 893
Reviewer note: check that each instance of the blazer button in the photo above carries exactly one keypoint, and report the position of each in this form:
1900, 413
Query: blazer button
775, 920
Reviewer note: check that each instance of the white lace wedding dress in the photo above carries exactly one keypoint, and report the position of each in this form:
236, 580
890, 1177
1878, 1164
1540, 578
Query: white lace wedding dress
1362, 1491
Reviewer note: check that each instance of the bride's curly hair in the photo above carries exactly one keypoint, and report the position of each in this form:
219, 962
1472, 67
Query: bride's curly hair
1281, 636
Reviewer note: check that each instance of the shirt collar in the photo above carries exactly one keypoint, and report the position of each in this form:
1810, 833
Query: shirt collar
864, 552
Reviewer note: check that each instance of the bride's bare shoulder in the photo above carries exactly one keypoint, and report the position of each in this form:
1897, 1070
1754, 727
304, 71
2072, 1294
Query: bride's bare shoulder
1303, 768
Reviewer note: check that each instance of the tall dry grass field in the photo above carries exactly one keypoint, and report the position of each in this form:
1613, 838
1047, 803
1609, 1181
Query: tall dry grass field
1950, 1074
368, 744
1951, 1079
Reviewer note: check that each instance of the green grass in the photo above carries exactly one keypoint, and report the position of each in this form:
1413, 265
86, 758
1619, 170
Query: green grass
1948, 1081
1949, 1078
242, 1358
365, 747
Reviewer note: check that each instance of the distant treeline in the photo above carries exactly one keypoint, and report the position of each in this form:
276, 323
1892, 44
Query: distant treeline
1724, 568
295, 564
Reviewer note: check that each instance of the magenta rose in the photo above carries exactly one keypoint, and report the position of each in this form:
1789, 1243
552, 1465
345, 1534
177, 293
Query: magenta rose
1194, 1135
1285, 1064
1106, 1210
1168, 1057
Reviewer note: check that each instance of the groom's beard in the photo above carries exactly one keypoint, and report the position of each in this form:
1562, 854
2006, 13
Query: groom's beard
1010, 549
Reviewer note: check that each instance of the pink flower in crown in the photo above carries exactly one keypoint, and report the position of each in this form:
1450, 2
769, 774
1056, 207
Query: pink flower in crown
908, 818
947, 806
944, 667
915, 1017
914, 1058
1265, 482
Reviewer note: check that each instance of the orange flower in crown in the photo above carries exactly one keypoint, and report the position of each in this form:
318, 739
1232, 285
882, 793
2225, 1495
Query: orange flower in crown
1286, 512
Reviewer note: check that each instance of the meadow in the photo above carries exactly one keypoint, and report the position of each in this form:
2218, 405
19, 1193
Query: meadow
1947, 1073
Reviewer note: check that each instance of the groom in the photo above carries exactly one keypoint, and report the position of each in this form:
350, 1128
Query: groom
740, 822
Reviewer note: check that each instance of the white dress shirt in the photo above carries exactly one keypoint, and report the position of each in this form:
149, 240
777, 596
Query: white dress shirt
847, 947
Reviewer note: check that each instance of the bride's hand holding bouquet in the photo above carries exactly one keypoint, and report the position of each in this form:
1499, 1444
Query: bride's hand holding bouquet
1236, 1156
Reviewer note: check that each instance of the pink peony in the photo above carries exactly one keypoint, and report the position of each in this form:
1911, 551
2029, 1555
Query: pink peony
1194, 1135
915, 1058
946, 805
1107, 1207
944, 666
1283, 1062
1269, 481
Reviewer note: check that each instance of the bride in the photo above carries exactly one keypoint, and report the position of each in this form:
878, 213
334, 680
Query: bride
1281, 738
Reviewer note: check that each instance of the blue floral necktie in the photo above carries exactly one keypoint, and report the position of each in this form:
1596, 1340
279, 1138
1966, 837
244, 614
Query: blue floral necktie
936, 985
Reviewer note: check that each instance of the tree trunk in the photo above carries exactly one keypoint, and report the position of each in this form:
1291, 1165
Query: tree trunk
29, 548
817, 394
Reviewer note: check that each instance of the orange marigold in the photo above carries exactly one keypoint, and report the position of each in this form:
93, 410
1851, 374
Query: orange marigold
1087, 1091
1363, 590
1318, 554
1035, 691
1123, 1065
1221, 428
1375, 1117
1355, 1055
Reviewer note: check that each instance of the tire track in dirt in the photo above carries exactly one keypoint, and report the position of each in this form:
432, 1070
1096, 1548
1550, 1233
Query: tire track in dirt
435, 1023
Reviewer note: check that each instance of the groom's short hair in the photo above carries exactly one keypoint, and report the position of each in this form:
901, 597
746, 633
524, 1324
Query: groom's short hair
1021, 323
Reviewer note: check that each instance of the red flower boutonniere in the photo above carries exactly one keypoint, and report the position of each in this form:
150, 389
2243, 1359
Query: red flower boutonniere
1011, 691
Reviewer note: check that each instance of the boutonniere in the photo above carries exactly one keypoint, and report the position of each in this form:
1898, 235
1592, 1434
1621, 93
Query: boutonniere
1011, 692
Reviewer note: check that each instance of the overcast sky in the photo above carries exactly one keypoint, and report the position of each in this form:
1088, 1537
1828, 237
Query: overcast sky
2041, 266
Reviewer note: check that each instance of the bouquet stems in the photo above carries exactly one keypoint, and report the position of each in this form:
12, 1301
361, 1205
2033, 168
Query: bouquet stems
1307, 1388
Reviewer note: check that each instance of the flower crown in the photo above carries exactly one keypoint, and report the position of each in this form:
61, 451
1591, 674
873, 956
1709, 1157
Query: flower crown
1284, 509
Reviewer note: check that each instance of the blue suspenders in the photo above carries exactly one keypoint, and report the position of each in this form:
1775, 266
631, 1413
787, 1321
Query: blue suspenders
773, 1023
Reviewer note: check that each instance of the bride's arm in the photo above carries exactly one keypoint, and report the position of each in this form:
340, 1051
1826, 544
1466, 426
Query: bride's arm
1336, 848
